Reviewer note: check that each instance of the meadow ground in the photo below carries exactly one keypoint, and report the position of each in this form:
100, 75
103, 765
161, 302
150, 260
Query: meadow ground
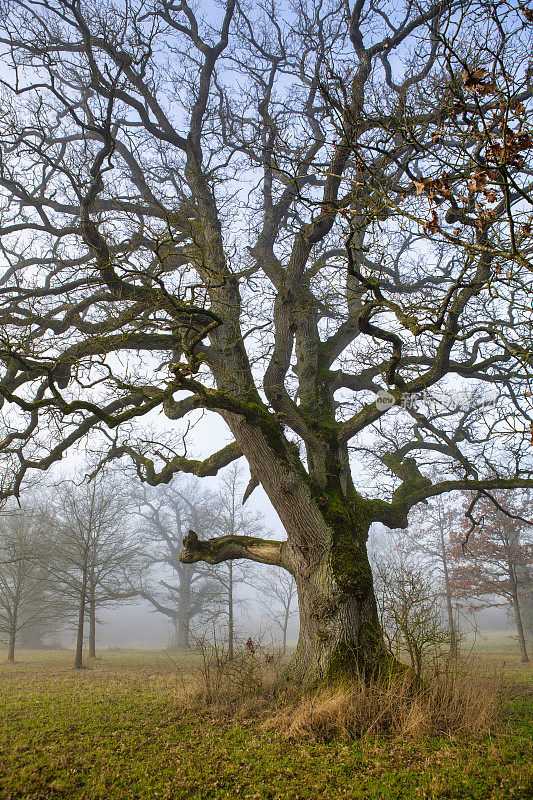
125, 728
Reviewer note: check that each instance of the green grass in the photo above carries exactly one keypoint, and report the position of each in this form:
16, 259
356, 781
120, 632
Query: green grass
121, 729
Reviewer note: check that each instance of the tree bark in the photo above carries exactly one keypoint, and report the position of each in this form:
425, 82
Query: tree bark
181, 633
340, 634
327, 530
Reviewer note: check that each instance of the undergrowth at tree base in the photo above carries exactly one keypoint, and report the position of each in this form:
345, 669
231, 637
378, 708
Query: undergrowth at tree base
248, 687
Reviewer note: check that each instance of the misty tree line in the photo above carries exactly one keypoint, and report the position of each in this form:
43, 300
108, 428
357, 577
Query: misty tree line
78, 547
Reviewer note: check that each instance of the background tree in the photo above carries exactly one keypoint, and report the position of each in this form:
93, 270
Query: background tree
278, 597
233, 520
93, 552
34, 635
494, 558
411, 610
23, 600
299, 221
430, 532
189, 591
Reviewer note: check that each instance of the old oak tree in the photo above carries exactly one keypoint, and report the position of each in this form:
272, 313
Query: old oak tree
305, 218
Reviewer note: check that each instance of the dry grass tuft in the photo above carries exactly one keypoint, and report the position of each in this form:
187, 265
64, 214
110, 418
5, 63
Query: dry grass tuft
246, 688
394, 707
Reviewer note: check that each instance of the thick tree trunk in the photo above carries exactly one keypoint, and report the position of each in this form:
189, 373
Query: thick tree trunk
340, 635
181, 632
327, 524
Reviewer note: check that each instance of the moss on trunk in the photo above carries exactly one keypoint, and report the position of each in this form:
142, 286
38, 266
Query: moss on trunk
340, 634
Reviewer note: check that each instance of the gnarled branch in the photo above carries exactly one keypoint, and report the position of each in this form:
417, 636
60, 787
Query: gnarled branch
227, 548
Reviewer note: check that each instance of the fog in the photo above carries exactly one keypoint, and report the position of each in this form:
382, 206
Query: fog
138, 625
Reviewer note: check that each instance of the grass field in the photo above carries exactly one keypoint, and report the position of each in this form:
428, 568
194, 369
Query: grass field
123, 728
